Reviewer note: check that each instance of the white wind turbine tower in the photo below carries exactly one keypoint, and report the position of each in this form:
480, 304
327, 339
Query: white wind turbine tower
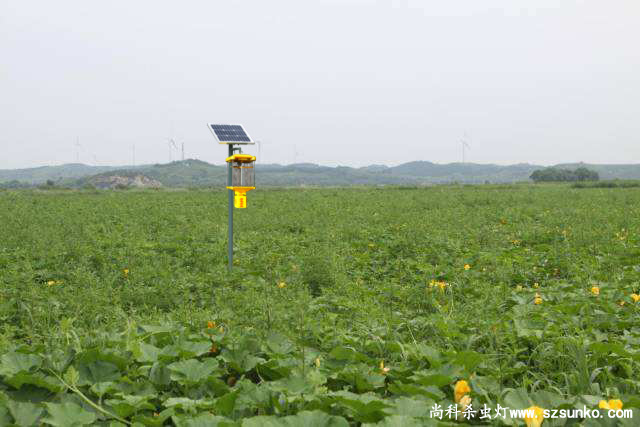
77, 144
260, 142
172, 145
465, 146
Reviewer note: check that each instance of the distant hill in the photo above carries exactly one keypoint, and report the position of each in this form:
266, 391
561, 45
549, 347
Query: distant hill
43, 173
196, 173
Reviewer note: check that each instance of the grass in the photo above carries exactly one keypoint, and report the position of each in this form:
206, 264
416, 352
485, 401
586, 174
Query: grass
116, 306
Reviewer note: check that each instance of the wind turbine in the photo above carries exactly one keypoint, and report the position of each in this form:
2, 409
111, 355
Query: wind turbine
260, 142
295, 154
465, 146
172, 145
77, 144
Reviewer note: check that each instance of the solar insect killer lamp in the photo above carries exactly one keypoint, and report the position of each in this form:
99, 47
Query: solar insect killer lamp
243, 177
240, 171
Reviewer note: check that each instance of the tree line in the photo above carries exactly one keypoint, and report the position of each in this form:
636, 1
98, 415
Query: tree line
564, 175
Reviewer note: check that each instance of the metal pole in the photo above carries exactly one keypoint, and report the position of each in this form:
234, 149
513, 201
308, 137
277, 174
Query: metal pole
230, 226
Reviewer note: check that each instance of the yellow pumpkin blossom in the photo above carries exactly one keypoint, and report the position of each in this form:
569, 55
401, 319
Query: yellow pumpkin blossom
467, 267
537, 300
534, 417
465, 402
282, 285
635, 297
460, 390
595, 290
614, 404
211, 324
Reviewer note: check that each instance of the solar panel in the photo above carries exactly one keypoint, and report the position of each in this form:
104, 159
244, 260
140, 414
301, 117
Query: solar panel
230, 134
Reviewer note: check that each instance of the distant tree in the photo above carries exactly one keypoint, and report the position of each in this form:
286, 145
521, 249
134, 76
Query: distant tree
584, 174
564, 175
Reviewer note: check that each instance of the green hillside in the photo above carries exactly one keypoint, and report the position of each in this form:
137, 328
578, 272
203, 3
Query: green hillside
196, 173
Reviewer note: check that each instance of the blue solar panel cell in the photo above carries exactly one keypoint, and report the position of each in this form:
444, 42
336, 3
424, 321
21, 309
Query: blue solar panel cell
230, 133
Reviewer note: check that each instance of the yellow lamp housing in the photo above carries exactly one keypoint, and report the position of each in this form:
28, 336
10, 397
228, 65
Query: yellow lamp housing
242, 177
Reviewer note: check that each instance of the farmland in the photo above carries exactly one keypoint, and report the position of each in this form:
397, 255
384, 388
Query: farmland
345, 306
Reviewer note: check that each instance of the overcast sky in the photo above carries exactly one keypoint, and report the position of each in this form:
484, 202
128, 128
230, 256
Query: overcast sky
350, 82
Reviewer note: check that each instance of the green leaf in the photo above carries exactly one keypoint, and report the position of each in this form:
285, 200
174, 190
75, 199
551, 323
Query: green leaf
411, 407
192, 371
68, 414
363, 407
202, 420
517, 399
225, 404
437, 380
156, 420
103, 355
160, 374
279, 344
190, 349
240, 360
304, 418
128, 404
148, 353
5, 417
188, 404
98, 372
469, 359
14, 363
398, 421
24, 413
37, 379
408, 389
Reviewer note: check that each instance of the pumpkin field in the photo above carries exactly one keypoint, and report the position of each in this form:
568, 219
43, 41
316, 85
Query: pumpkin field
394, 306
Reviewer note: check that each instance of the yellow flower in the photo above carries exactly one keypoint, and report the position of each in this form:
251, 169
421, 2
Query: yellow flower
465, 401
536, 285
595, 290
211, 324
282, 285
460, 390
467, 267
635, 297
614, 404
537, 300
125, 272
51, 282
383, 370
537, 416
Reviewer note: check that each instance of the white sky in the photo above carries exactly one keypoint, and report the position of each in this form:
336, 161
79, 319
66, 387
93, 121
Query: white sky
350, 82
